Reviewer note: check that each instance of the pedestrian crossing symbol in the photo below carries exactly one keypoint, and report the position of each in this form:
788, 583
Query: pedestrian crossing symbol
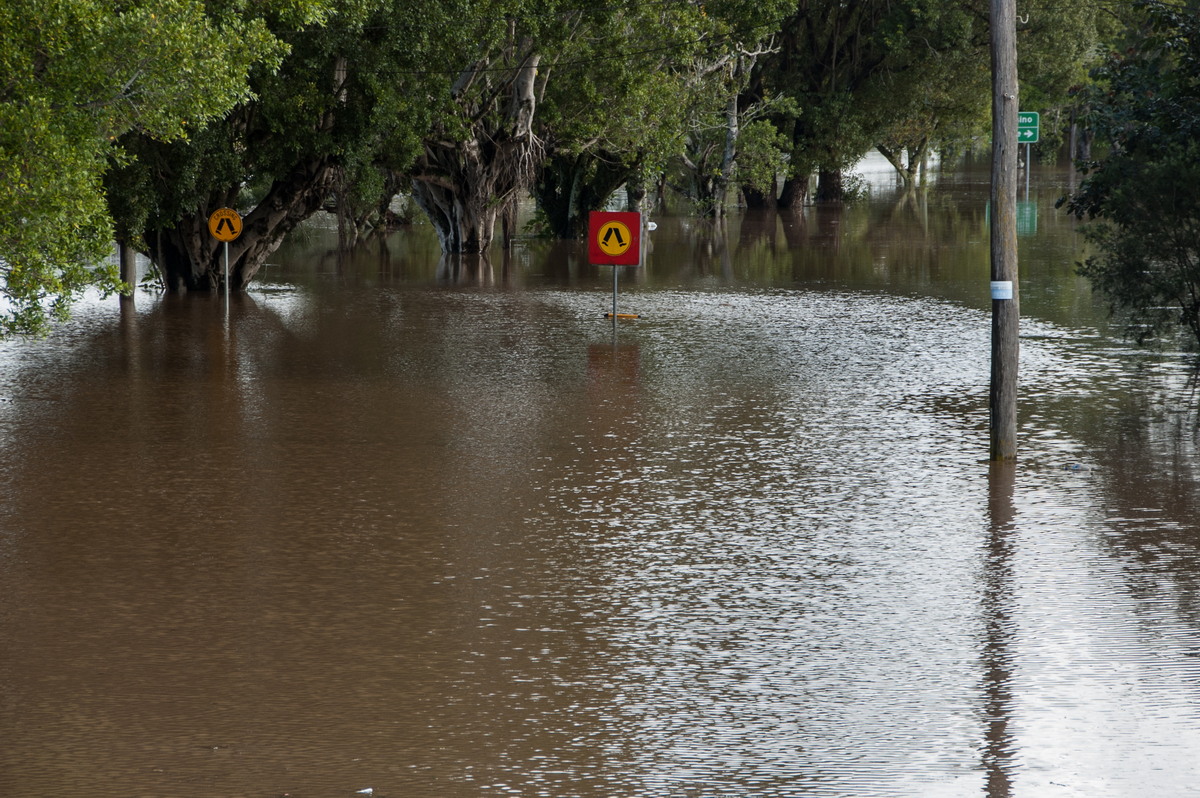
225, 224
614, 238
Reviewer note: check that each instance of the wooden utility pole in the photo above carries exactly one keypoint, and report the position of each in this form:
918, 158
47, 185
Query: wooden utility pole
1005, 296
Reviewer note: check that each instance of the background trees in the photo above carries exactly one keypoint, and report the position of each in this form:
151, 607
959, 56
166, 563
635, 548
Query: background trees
77, 74
481, 150
877, 72
620, 93
613, 109
351, 102
135, 119
1144, 195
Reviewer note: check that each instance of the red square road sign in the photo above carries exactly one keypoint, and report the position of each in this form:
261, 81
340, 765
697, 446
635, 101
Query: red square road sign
614, 238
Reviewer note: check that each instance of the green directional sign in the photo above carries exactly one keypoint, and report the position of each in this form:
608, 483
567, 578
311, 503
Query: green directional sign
1028, 123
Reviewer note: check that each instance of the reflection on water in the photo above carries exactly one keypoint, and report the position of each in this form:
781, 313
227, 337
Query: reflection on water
999, 596
432, 530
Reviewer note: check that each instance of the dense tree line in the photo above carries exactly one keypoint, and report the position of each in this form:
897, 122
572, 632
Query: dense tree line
1143, 195
76, 76
134, 119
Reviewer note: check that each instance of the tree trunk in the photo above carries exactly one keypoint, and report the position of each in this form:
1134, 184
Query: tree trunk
830, 187
794, 193
757, 200
464, 185
918, 158
460, 206
1084, 144
660, 192
895, 158
635, 189
907, 161
703, 175
711, 177
190, 259
728, 157
127, 258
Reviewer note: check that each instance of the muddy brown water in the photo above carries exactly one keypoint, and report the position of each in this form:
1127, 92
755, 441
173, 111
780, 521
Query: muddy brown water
434, 530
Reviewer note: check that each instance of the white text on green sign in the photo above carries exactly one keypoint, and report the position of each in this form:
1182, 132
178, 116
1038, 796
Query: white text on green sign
1028, 126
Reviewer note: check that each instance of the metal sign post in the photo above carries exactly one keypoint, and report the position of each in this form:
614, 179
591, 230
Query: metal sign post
225, 224
614, 310
1029, 131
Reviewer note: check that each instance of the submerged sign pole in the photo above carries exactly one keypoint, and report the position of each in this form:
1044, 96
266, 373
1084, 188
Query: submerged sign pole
1029, 130
614, 310
615, 239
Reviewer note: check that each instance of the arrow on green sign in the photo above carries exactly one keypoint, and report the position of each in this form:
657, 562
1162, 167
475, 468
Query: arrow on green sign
1028, 124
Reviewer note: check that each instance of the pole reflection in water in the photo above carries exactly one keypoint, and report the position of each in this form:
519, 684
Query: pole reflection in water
613, 371
997, 657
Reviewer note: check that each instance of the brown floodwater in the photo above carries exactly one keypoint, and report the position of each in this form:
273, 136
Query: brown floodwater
439, 529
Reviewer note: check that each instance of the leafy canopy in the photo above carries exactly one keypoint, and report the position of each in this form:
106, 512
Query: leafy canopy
1144, 196
77, 74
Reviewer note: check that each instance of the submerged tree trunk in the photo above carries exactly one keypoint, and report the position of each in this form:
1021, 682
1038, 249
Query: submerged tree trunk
896, 158
455, 189
1083, 144
703, 175
757, 200
794, 193
906, 160
635, 189
733, 129
191, 259
360, 218
465, 184
830, 187
127, 258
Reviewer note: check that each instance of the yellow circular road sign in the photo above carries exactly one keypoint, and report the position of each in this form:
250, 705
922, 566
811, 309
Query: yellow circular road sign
613, 238
225, 224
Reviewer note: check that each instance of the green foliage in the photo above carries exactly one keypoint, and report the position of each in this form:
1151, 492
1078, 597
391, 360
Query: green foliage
613, 84
354, 95
1144, 196
172, 107
53, 224
1059, 43
1056, 47
644, 88
937, 96
612, 104
903, 72
761, 158
77, 75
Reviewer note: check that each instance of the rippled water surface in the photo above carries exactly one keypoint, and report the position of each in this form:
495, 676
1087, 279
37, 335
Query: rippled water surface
439, 531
